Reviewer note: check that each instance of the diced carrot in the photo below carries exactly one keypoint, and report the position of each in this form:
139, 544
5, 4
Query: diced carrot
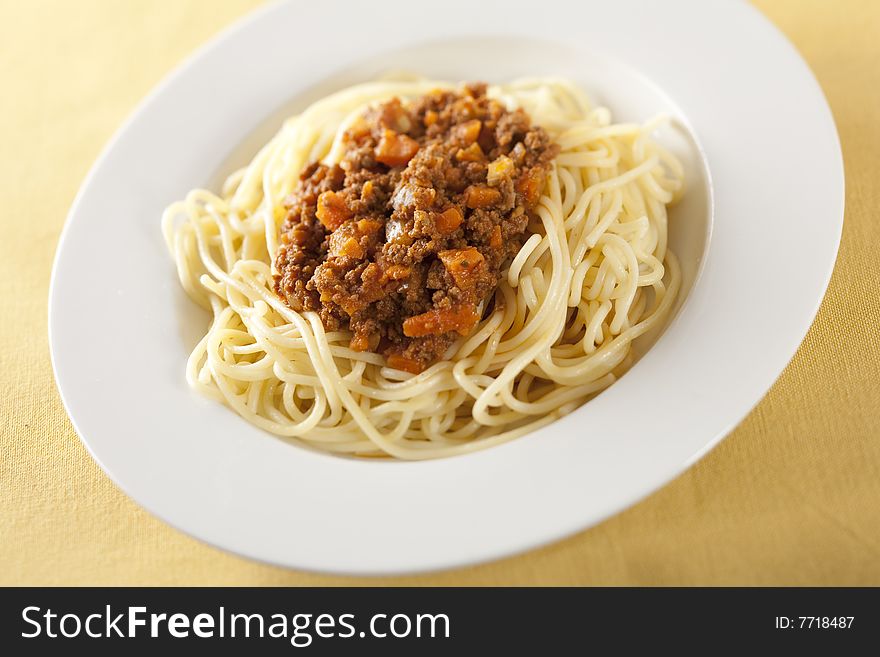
480, 196
466, 258
359, 342
448, 221
349, 248
499, 170
472, 153
398, 362
460, 318
332, 210
495, 241
397, 272
368, 226
395, 150
469, 131
431, 118
462, 264
529, 186
349, 304
367, 190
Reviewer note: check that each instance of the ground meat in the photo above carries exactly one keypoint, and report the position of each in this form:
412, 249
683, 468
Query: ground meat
405, 237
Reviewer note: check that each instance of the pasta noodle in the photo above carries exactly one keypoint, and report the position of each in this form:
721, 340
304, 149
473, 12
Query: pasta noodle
594, 275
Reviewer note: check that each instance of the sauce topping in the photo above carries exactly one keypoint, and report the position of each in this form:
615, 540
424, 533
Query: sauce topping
403, 239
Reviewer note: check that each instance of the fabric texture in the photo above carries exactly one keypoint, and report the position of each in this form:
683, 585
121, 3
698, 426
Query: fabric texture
792, 496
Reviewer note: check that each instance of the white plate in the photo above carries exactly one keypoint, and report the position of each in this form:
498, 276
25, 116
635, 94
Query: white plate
121, 328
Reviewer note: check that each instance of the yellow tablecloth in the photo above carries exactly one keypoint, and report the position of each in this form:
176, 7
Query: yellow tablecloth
791, 497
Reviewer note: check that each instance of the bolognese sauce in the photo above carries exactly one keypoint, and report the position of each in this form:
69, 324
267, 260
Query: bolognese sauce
404, 239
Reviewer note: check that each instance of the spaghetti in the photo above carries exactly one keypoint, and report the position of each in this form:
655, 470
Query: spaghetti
593, 274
